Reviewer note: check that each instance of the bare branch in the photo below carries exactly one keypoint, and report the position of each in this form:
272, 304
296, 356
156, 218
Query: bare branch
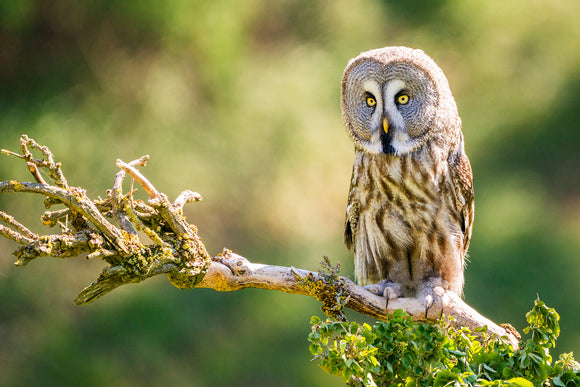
15, 236
54, 170
114, 276
177, 250
51, 218
138, 176
186, 197
231, 272
116, 195
59, 246
4, 217
123, 215
75, 199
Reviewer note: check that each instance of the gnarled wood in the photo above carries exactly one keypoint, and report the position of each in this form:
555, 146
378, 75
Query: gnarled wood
231, 272
177, 251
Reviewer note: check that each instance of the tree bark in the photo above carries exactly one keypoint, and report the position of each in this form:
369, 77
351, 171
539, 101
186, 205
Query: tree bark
232, 272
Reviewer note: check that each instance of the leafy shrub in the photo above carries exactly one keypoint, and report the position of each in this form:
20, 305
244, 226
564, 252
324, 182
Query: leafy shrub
403, 352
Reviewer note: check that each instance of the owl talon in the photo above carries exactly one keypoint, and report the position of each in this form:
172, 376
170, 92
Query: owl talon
377, 289
428, 302
392, 291
386, 288
433, 296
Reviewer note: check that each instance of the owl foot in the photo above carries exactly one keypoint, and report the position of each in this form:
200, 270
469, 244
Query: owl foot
386, 288
432, 295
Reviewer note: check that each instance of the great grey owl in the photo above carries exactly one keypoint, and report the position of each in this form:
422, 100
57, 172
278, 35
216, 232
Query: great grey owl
410, 204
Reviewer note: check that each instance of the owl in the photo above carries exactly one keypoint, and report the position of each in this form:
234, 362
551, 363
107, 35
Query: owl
410, 205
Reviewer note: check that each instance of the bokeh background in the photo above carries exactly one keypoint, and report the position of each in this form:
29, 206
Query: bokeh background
240, 101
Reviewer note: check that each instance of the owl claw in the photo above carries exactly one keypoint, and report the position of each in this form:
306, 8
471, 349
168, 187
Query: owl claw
432, 296
377, 289
392, 291
386, 288
428, 303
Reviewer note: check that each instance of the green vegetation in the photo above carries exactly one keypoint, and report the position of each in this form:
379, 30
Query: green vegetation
402, 352
239, 101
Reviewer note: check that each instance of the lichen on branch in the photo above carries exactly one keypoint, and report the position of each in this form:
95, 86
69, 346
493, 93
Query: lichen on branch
328, 288
106, 228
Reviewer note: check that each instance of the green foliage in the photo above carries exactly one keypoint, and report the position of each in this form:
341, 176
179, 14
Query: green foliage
403, 352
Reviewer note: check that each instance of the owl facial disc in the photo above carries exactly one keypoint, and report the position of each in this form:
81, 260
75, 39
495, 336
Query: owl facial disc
395, 100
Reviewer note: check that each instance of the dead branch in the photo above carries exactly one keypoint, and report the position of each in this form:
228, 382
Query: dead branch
176, 249
230, 272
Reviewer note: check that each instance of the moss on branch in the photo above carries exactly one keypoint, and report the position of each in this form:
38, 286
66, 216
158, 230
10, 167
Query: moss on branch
106, 228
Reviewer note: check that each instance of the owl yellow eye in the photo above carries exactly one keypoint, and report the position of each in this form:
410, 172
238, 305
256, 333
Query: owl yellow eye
371, 101
403, 99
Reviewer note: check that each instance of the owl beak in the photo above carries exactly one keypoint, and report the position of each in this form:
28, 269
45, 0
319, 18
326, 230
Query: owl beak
385, 125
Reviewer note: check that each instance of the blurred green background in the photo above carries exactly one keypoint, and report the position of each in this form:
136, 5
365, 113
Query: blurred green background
240, 101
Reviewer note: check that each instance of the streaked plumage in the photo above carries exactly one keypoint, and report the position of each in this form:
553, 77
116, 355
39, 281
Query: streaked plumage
410, 205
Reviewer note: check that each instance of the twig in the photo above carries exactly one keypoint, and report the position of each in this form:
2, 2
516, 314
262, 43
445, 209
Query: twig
54, 170
59, 246
75, 199
15, 236
117, 196
50, 218
17, 225
184, 198
138, 176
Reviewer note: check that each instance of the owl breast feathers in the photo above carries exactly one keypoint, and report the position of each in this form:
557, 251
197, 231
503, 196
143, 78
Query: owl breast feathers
410, 204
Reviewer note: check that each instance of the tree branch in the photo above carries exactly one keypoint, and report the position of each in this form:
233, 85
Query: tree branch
177, 251
231, 272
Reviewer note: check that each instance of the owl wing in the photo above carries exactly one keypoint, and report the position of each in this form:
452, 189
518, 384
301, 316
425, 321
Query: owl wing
352, 215
462, 177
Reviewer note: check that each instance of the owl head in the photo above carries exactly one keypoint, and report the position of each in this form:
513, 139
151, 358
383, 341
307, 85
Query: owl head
395, 100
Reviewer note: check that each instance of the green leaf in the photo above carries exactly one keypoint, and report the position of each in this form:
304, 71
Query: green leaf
406, 360
347, 373
315, 349
444, 377
521, 382
536, 358
456, 353
488, 368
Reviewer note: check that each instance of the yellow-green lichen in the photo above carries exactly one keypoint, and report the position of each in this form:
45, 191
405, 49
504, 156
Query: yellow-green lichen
328, 288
